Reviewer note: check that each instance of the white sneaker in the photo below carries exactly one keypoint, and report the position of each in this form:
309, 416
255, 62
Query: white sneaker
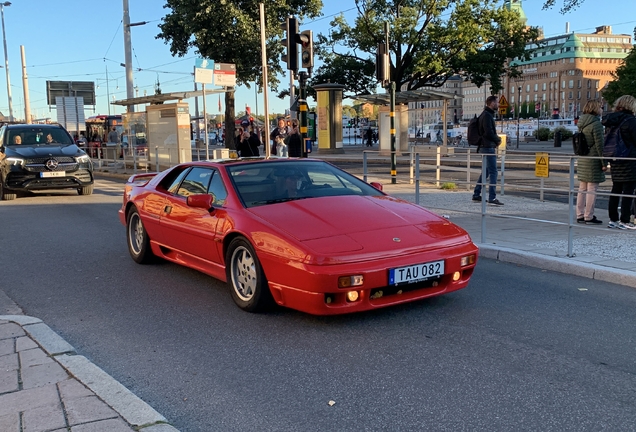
629, 226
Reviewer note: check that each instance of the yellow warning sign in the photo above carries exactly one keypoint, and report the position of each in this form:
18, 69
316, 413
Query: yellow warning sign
542, 165
503, 102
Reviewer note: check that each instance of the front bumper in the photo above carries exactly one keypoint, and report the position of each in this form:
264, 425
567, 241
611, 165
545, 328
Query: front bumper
313, 289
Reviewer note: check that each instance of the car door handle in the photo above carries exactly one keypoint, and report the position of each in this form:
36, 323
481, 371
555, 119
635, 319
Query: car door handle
167, 209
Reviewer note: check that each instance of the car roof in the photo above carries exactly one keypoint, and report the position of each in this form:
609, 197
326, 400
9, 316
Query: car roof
34, 125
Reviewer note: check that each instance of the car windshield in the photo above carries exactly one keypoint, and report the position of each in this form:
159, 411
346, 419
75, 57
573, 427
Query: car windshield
37, 136
275, 182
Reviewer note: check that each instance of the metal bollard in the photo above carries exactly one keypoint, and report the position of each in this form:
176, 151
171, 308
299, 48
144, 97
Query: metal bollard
157, 158
468, 170
438, 169
364, 165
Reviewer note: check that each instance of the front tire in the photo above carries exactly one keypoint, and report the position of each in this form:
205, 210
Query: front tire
137, 239
246, 278
4, 195
85, 190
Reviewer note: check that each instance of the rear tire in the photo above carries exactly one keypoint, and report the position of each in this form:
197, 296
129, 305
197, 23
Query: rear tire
85, 190
6, 196
246, 278
137, 239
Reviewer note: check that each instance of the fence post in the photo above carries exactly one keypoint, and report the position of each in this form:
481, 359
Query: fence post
134, 155
417, 178
571, 208
411, 152
484, 193
503, 171
468, 170
439, 161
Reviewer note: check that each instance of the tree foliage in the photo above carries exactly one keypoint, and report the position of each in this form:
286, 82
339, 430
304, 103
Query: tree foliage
228, 31
429, 40
568, 5
624, 82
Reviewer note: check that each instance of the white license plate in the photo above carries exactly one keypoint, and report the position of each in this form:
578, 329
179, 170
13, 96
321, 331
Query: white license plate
416, 273
53, 174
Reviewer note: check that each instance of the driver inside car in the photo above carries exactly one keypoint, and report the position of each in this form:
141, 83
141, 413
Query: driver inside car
289, 183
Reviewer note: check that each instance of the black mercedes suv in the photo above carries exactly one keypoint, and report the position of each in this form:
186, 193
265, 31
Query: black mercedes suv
40, 157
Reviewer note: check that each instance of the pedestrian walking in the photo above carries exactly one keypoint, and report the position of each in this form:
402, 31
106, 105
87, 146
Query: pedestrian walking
590, 171
369, 137
488, 145
623, 172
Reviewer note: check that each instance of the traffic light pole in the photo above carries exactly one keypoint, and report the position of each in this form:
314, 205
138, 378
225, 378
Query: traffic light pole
302, 106
393, 154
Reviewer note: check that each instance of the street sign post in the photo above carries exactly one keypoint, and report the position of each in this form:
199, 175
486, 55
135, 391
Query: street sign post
503, 105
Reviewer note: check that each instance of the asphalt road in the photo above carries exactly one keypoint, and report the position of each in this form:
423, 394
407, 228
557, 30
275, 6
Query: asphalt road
519, 349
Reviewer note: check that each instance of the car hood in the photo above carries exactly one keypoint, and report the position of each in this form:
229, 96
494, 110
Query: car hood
43, 150
364, 224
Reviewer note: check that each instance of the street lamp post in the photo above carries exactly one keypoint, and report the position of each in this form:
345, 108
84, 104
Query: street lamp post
128, 53
6, 59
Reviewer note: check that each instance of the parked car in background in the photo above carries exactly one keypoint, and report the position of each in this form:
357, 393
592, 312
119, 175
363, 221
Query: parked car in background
37, 157
300, 233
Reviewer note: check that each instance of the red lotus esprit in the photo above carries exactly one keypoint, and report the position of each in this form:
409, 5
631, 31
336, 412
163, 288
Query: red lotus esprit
300, 232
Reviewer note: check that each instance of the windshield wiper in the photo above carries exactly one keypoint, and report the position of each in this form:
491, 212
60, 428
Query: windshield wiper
278, 200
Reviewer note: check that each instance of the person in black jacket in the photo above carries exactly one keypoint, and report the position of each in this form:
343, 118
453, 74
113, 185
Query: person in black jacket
623, 172
488, 145
254, 141
294, 141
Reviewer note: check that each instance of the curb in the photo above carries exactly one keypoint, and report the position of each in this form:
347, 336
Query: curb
129, 406
559, 265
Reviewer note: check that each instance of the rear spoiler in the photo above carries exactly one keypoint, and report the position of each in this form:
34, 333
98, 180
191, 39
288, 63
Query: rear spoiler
140, 179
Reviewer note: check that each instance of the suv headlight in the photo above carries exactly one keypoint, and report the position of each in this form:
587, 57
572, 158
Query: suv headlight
15, 161
83, 159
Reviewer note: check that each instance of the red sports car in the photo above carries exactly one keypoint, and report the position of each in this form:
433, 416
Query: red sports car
298, 232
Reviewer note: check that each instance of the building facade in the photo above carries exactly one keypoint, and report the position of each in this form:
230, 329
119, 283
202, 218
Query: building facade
566, 71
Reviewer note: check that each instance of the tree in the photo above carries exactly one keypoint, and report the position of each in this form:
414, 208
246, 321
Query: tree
228, 31
568, 5
624, 82
429, 41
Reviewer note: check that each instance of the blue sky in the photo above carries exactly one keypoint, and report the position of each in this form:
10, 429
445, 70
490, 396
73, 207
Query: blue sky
77, 40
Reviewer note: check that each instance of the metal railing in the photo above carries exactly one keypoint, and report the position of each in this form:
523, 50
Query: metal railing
567, 160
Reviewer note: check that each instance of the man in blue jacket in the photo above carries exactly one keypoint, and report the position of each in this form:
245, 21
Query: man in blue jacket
488, 145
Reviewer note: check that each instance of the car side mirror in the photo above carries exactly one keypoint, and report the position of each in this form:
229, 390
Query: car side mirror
203, 201
376, 185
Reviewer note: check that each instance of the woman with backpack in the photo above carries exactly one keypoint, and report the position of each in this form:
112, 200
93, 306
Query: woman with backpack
623, 171
590, 172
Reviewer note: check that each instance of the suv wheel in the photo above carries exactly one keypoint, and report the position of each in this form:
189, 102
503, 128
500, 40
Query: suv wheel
86, 190
5, 195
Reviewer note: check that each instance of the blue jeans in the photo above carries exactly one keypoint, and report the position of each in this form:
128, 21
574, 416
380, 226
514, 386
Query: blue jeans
491, 173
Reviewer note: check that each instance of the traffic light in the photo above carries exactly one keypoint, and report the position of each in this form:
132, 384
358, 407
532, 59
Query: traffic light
306, 40
291, 48
382, 64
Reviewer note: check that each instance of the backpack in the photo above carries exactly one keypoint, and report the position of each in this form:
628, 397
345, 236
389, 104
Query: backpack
614, 146
473, 137
580, 144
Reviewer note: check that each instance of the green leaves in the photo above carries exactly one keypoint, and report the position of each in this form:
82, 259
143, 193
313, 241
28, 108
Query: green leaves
430, 41
624, 80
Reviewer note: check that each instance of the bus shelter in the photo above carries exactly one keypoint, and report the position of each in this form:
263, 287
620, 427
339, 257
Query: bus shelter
164, 123
402, 99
